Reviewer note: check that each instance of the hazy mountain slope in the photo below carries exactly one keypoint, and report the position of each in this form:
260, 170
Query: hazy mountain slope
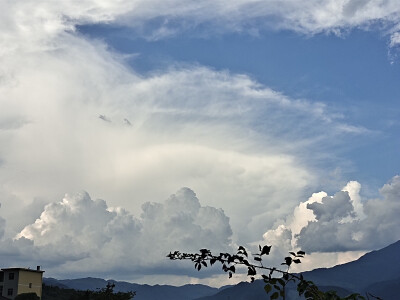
254, 291
388, 290
54, 282
374, 272
375, 266
377, 272
145, 292
241, 291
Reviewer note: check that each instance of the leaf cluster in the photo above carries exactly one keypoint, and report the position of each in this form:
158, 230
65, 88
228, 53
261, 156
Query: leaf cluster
276, 280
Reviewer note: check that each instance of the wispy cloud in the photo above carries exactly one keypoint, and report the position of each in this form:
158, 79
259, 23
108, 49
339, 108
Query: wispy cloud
160, 19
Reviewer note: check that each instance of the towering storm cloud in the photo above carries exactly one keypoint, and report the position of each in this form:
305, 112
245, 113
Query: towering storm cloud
76, 114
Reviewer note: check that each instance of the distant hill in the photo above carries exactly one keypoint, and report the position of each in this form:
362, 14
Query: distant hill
388, 289
255, 291
372, 268
143, 291
241, 291
377, 272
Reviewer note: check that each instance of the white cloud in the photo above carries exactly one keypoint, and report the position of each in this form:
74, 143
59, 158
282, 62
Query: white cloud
378, 227
240, 145
2, 227
343, 223
37, 21
79, 235
309, 17
226, 136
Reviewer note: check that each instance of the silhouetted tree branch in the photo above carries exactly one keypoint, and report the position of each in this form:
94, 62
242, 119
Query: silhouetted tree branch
275, 286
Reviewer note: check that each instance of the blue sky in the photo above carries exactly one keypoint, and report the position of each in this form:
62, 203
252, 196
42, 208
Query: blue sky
354, 75
196, 124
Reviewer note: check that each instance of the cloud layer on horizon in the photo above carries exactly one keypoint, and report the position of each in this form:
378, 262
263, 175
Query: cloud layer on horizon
80, 236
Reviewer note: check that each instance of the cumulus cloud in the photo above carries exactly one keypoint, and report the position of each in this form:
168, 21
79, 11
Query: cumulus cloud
84, 235
378, 228
343, 223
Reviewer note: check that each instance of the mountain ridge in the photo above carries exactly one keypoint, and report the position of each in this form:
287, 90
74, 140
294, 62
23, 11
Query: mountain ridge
376, 272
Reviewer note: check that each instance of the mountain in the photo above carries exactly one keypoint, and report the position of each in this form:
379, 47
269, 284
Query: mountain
377, 272
388, 289
372, 268
143, 291
241, 291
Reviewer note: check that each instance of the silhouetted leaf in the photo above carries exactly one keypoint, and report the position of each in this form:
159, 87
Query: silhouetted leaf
265, 277
281, 281
286, 276
288, 260
301, 252
297, 261
267, 288
251, 271
242, 250
308, 294
265, 250
275, 295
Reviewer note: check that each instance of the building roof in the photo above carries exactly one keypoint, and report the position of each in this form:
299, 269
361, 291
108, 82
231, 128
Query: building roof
22, 269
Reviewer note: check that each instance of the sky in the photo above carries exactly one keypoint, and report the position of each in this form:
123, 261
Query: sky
132, 128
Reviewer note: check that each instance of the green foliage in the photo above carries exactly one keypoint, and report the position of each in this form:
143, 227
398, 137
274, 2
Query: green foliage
27, 296
276, 280
107, 293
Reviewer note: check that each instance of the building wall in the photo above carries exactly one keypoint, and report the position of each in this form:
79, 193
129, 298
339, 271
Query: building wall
30, 282
1, 282
23, 281
10, 283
